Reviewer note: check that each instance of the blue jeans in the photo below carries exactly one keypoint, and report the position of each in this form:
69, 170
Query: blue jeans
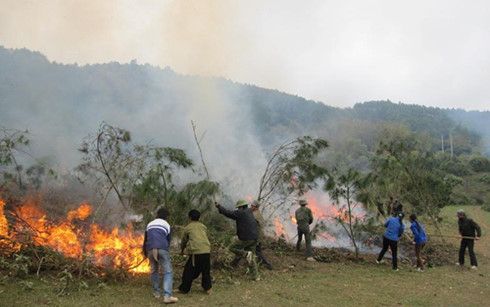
166, 266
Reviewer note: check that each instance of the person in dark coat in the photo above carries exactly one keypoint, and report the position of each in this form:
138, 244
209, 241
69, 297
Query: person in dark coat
397, 207
467, 229
247, 232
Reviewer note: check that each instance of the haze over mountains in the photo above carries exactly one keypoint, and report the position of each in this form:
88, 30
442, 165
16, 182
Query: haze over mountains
62, 104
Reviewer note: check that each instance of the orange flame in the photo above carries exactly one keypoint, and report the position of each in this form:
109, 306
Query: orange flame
328, 237
80, 213
315, 208
279, 228
323, 209
6, 242
3, 220
339, 214
115, 248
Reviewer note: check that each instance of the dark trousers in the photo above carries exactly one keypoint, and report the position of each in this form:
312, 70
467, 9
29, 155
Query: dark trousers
393, 245
418, 254
304, 230
470, 244
196, 264
260, 256
240, 249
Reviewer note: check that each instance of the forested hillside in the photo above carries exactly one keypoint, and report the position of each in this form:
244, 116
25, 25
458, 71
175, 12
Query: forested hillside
60, 104
31, 84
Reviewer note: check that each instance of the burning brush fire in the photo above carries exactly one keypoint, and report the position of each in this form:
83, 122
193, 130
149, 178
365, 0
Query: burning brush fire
73, 238
323, 210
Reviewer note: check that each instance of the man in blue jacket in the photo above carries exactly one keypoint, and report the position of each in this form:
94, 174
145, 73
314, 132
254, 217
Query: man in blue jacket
394, 230
155, 247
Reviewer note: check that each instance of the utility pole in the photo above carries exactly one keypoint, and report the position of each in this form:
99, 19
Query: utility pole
451, 142
442, 142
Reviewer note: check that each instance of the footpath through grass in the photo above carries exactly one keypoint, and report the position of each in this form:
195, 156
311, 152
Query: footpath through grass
293, 282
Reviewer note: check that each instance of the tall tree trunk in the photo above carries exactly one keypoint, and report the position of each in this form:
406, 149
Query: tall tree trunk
352, 236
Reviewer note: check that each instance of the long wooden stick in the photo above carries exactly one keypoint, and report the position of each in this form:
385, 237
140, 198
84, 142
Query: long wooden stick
451, 236
198, 143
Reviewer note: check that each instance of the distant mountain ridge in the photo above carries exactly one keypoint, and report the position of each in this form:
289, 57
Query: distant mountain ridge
63, 103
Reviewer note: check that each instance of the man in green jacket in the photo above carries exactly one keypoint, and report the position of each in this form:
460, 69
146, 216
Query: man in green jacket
195, 240
304, 218
260, 224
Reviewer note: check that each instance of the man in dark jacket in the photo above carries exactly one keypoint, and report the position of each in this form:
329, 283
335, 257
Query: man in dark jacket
247, 232
397, 207
467, 229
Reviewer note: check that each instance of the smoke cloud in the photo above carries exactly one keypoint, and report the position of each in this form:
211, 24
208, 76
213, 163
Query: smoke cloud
340, 53
61, 105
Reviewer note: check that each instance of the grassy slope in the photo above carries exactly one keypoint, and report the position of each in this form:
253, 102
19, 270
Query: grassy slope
296, 282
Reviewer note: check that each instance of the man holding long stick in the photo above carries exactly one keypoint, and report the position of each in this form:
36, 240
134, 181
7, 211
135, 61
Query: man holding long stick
467, 229
247, 232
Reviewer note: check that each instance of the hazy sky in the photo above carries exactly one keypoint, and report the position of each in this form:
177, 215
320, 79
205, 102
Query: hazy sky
434, 53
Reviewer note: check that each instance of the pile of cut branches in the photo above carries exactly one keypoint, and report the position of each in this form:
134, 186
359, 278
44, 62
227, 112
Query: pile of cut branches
329, 255
439, 254
20, 256
30, 259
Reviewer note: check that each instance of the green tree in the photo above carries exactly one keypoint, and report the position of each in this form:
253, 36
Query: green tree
117, 163
291, 169
142, 176
419, 178
345, 188
156, 187
14, 148
12, 143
